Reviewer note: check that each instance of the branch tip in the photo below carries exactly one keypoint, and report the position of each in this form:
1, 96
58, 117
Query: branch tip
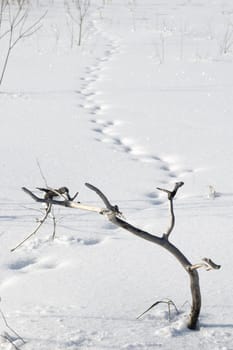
207, 264
171, 194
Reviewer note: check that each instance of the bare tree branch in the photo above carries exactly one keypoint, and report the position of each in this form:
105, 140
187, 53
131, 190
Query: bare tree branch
114, 215
29, 31
112, 208
49, 194
80, 9
64, 203
15, 27
171, 196
65, 200
164, 242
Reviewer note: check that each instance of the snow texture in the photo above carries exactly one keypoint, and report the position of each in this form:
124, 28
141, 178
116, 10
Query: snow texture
145, 101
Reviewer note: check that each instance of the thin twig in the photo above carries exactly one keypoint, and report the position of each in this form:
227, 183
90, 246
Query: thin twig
29, 31
54, 224
10, 328
41, 172
17, 28
168, 302
48, 210
8, 336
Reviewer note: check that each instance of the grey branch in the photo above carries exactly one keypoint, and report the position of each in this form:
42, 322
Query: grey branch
113, 208
48, 199
163, 242
114, 215
171, 196
64, 202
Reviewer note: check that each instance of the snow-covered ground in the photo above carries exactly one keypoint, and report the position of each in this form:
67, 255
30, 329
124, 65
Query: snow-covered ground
147, 100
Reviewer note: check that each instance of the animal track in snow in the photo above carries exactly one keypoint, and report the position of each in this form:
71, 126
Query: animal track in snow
107, 130
26, 265
107, 133
154, 198
88, 241
92, 75
32, 264
21, 263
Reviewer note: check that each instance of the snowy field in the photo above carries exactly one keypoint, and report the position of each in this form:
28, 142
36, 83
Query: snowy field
144, 102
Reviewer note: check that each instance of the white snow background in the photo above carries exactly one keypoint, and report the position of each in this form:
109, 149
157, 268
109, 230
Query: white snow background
147, 100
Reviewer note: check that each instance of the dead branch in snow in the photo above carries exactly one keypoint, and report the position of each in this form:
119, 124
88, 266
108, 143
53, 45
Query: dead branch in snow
64, 202
49, 194
171, 196
114, 215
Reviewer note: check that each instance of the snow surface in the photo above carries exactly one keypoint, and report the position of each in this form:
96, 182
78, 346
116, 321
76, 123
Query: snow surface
144, 102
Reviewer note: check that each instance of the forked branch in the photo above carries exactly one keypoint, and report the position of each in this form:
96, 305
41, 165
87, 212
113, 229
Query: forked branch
48, 199
171, 196
63, 202
165, 243
114, 215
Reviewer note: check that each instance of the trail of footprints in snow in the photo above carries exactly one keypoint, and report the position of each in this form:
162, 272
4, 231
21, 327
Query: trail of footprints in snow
32, 264
106, 130
92, 75
26, 264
